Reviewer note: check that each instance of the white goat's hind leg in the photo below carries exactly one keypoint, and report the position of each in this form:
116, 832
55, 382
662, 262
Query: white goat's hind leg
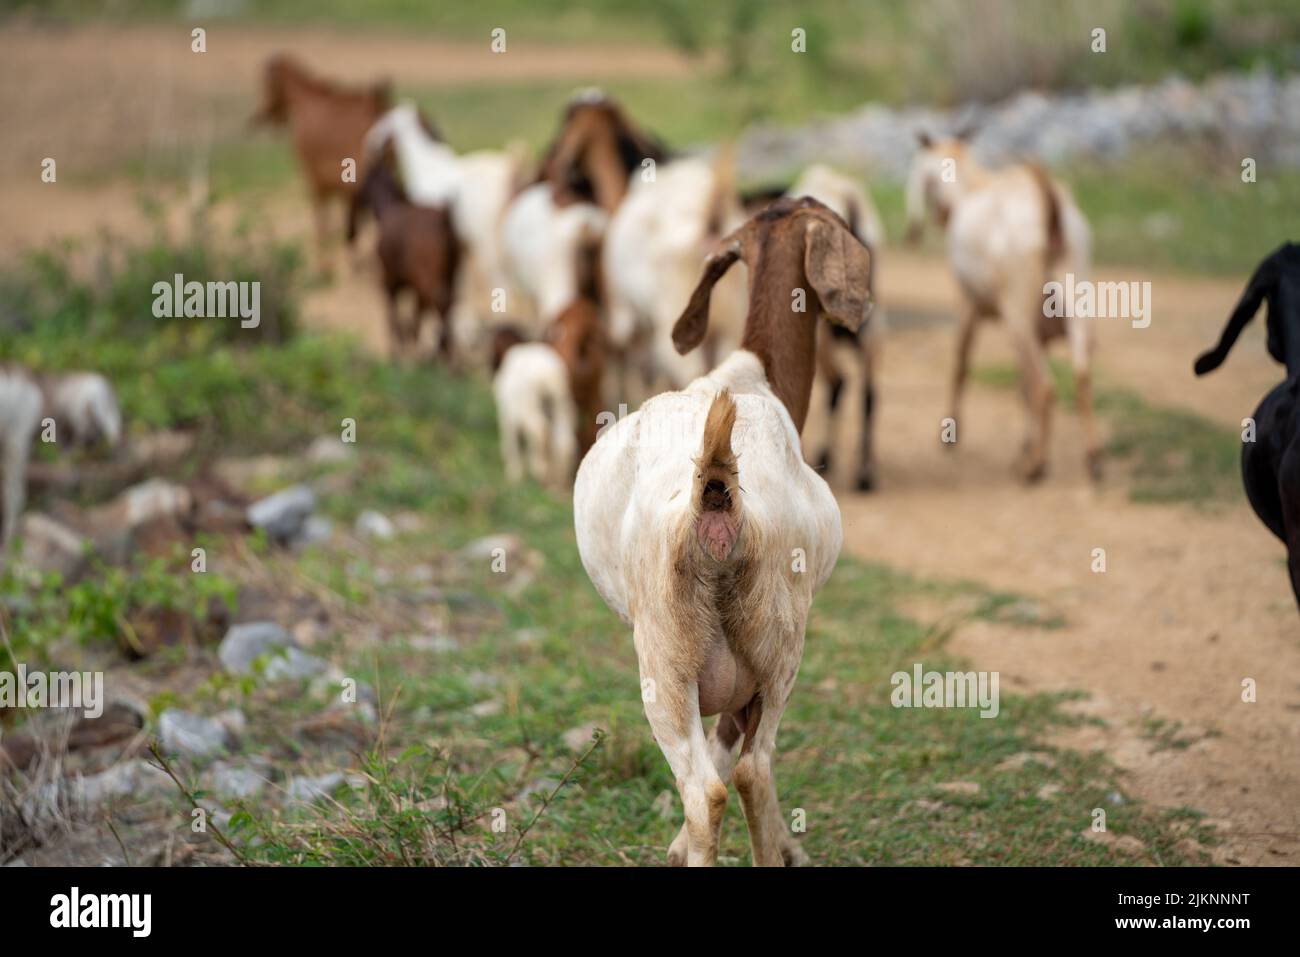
1080, 335
1036, 387
510, 450
537, 435
722, 752
770, 839
673, 710
961, 363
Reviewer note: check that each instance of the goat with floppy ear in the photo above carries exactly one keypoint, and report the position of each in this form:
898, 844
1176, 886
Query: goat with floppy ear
823, 258
688, 511
1270, 465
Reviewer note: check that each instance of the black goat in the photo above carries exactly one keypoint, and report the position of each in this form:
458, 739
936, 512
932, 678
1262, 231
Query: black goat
1270, 466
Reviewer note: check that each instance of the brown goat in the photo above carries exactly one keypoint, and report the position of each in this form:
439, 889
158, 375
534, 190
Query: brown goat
578, 335
418, 250
327, 124
595, 152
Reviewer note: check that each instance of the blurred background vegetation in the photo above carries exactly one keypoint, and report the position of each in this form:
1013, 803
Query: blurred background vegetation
896, 51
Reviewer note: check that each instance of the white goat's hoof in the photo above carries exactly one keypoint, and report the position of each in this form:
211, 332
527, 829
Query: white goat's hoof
794, 855
677, 849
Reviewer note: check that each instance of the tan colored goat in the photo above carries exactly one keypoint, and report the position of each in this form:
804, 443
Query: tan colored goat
1009, 232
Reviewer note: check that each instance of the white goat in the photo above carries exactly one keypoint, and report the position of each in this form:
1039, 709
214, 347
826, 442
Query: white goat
651, 260
536, 415
700, 524
540, 241
1009, 231
83, 407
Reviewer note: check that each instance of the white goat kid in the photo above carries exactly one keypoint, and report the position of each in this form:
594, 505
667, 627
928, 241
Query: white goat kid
700, 524
536, 415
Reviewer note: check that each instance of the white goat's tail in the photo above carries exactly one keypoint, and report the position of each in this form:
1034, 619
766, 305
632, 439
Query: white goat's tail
715, 493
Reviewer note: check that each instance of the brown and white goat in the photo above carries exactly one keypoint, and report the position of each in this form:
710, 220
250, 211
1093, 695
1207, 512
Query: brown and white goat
418, 251
665, 213
578, 335
327, 124
847, 363
700, 524
1010, 231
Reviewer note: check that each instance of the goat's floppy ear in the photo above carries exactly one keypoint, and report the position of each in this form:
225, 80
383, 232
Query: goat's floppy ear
839, 268
1259, 285
689, 329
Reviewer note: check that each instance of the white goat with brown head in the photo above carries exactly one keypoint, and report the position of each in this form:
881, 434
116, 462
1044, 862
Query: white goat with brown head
665, 213
1009, 232
700, 524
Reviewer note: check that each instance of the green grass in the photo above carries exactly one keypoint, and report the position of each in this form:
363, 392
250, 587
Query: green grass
867, 777
1186, 212
1169, 454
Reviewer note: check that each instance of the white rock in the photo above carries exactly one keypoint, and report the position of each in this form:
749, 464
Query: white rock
372, 524
182, 732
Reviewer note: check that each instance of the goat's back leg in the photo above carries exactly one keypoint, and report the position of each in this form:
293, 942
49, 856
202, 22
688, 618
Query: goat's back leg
869, 349
771, 842
396, 332
1035, 382
818, 428
673, 709
511, 455
1079, 330
321, 219
966, 319
441, 307
723, 736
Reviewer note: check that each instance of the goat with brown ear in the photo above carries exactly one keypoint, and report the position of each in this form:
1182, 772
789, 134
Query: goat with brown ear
1270, 465
327, 124
700, 524
418, 251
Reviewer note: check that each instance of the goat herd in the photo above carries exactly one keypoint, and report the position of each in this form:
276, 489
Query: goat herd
629, 273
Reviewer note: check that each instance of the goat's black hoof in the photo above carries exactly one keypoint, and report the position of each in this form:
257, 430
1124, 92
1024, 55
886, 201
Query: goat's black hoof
866, 482
823, 466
